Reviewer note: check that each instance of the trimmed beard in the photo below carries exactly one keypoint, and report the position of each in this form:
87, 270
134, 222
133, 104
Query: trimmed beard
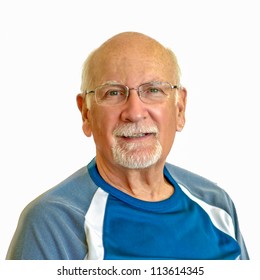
135, 155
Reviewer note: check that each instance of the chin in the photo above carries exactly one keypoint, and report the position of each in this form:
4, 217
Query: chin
137, 158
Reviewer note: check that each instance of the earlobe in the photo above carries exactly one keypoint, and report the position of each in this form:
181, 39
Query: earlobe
180, 125
86, 127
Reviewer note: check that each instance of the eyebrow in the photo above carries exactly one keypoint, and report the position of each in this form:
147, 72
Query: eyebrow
120, 83
111, 82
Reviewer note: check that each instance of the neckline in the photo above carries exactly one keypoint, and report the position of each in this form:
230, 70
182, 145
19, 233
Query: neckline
154, 206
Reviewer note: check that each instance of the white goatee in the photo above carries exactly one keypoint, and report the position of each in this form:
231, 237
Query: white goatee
136, 155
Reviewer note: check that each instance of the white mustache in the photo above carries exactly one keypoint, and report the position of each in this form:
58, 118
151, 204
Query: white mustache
128, 130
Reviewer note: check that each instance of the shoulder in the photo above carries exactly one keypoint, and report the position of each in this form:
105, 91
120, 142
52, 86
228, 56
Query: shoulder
73, 195
201, 187
50, 222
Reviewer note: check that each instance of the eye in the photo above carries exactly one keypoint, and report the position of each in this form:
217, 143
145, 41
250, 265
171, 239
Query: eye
114, 92
154, 90
111, 94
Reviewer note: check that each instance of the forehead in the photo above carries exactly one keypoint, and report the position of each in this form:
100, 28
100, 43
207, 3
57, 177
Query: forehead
136, 57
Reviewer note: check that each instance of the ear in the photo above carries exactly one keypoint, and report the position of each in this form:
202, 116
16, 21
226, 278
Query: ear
181, 106
82, 106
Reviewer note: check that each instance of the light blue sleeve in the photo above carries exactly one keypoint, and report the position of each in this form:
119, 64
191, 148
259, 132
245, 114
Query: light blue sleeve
52, 226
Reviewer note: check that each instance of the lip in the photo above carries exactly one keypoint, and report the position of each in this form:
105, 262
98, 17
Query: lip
137, 136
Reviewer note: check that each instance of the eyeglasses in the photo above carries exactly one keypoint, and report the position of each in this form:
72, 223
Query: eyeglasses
114, 93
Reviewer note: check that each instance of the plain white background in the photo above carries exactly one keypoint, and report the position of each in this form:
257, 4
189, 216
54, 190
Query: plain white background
43, 46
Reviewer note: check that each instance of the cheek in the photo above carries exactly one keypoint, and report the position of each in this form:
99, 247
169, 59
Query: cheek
103, 122
166, 120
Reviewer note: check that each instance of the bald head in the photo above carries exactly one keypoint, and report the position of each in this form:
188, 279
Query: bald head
126, 52
132, 42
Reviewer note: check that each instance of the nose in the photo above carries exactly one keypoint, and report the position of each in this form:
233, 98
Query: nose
134, 109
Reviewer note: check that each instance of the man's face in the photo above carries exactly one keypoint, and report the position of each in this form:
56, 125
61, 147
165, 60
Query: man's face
134, 134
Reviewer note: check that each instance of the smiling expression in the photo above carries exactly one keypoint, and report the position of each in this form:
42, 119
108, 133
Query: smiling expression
134, 134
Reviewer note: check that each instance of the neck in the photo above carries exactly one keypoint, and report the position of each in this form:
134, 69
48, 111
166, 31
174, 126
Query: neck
147, 184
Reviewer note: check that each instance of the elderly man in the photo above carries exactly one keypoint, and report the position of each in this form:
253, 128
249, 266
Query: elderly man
128, 203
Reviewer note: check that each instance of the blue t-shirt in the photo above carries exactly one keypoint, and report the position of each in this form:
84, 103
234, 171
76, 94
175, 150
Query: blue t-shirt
86, 218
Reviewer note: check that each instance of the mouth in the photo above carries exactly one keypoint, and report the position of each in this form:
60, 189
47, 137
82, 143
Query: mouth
133, 133
137, 135
137, 138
